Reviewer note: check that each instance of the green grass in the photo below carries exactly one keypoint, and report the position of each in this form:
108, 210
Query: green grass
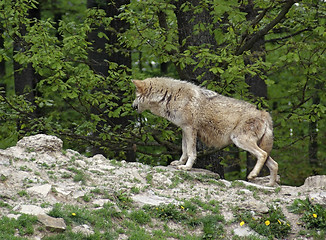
140, 216
12, 229
138, 223
193, 219
272, 224
312, 215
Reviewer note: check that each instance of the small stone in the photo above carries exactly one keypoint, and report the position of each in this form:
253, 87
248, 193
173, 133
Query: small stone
63, 191
51, 223
318, 198
98, 158
84, 229
30, 209
42, 190
260, 186
78, 194
315, 182
13, 216
100, 202
244, 231
151, 199
226, 183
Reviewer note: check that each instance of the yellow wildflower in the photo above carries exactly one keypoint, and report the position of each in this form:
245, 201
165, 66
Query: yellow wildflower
182, 207
314, 215
279, 221
267, 222
73, 214
242, 223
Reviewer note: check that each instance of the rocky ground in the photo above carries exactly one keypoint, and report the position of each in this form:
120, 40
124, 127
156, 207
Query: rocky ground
37, 174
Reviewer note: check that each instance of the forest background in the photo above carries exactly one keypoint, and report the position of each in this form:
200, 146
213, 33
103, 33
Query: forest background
66, 70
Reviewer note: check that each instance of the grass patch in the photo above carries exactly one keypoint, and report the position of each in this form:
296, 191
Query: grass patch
272, 225
213, 228
313, 215
80, 176
12, 229
177, 221
140, 216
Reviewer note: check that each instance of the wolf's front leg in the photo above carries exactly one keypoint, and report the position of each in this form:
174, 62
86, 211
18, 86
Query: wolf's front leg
184, 157
189, 136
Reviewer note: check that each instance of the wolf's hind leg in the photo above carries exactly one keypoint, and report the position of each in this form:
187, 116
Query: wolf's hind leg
273, 168
184, 157
250, 145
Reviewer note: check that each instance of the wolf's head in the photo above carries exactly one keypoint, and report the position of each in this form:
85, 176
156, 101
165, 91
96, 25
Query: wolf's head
150, 95
140, 103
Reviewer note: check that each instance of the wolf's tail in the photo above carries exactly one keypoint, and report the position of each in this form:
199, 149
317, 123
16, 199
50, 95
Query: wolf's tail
266, 141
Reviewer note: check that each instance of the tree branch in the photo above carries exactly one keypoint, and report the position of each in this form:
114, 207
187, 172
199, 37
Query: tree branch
254, 38
288, 36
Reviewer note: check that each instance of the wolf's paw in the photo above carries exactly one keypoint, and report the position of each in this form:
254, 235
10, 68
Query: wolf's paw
271, 184
176, 163
184, 167
252, 176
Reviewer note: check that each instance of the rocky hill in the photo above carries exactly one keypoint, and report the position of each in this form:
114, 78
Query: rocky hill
75, 197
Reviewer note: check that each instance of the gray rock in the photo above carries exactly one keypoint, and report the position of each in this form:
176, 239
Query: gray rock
37, 165
64, 191
78, 194
151, 199
40, 143
245, 231
14, 216
51, 223
257, 185
265, 180
315, 182
84, 229
318, 198
100, 202
30, 209
43, 190
196, 172
225, 182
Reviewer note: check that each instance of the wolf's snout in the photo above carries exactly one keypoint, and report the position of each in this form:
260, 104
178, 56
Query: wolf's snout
135, 105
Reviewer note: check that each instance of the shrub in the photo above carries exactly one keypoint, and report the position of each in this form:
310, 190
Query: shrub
313, 215
272, 225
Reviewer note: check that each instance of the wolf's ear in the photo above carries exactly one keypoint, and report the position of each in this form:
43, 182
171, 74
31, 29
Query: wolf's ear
139, 85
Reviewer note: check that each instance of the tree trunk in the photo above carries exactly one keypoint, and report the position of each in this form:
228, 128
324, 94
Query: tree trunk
100, 57
2, 65
313, 136
257, 85
24, 76
186, 22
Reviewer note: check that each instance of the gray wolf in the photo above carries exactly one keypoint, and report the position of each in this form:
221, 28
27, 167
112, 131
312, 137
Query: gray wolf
217, 120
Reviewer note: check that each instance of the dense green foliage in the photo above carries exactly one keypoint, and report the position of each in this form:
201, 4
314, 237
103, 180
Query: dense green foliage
87, 109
